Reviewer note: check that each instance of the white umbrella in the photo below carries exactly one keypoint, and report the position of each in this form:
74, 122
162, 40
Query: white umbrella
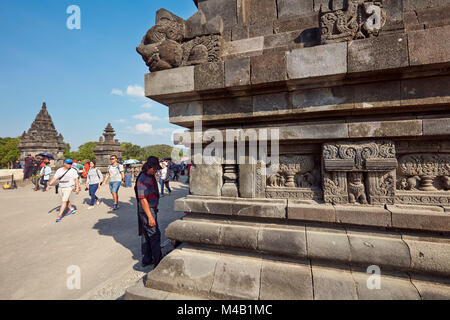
131, 161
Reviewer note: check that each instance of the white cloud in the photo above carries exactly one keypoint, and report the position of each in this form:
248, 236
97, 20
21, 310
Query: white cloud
147, 128
135, 91
116, 92
121, 121
146, 117
147, 105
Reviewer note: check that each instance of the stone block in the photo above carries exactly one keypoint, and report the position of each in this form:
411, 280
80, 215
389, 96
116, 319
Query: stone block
410, 5
184, 273
289, 8
380, 53
194, 232
429, 46
237, 72
209, 76
206, 180
286, 242
324, 60
192, 110
239, 32
429, 254
315, 132
436, 127
297, 23
260, 29
431, 288
378, 248
311, 212
434, 17
377, 95
256, 11
432, 90
139, 292
243, 48
242, 105
331, 98
423, 219
393, 286
401, 128
285, 281
239, 237
333, 283
225, 8
268, 68
327, 5
328, 244
237, 278
270, 102
281, 40
170, 81
359, 215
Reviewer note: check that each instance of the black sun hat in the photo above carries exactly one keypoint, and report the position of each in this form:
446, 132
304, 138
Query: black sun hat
153, 162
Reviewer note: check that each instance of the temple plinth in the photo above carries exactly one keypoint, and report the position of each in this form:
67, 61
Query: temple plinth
42, 137
106, 147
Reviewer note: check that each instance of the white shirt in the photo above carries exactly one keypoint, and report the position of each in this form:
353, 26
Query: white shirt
115, 172
68, 181
45, 172
164, 173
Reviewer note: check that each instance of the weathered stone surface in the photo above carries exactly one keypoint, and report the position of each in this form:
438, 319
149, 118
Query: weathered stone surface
312, 212
185, 273
170, 81
303, 24
260, 10
325, 60
239, 237
237, 72
289, 8
260, 29
206, 180
325, 98
224, 8
242, 105
194, 232
247, 181
393, 286
333, 283
244, 48
192, 110
327, 5
268, 68
237, 278
422, 219
284, 241
378, 248
285, 281
430, 254
209, 76
429, 46
381, 53
328, 243
270, 102
385, 129
363, 215
377, 95
436, 127
426, 91
318, 131
410, 5
239, 32
432, 288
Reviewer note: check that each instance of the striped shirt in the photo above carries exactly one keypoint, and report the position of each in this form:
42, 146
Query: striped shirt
147, 188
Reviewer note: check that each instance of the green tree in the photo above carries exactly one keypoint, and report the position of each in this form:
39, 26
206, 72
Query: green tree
160, 151
9, 151
132, 151
67, 153
86, 151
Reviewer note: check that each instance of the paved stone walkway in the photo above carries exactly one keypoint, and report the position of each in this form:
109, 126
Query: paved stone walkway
36, 251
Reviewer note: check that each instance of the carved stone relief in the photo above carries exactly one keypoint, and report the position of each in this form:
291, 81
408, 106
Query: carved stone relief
174, 42
361, 19
359, 172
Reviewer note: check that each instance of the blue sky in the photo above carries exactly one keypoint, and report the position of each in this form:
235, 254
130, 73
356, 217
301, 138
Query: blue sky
88, 77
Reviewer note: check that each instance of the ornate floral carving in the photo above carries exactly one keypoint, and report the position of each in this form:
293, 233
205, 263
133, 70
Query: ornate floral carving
171, 44
432, 171
423, 198
294, 171
381, 187
335, 187
362, 19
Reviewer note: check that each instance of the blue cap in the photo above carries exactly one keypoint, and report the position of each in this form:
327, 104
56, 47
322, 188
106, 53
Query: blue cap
68, 161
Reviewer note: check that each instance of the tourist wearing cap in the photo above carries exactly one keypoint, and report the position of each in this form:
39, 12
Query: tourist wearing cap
68, 179
116, 176
147, 195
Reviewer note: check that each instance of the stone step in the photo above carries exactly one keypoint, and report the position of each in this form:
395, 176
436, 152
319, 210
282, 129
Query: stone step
206, 274
389, 250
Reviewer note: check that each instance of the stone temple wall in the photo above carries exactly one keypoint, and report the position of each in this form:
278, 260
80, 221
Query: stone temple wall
359, 94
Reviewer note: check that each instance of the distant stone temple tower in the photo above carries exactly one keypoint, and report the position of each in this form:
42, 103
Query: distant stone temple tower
43, 137
106, 147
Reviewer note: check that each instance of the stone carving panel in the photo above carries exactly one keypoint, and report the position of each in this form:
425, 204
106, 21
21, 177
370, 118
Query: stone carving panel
359, 172
174, 42
361, 19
